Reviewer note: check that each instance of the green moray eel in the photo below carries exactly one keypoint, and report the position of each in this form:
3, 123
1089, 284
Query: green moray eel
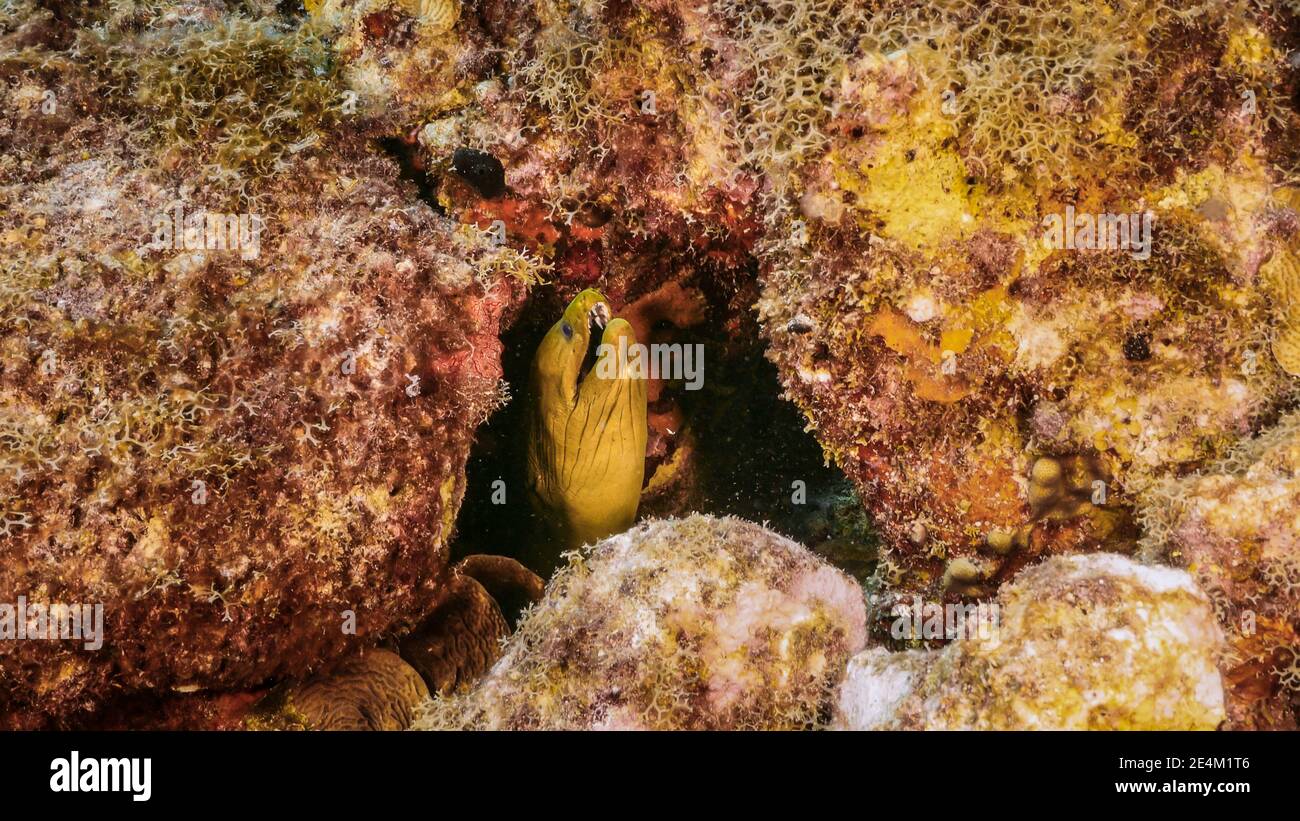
586, 431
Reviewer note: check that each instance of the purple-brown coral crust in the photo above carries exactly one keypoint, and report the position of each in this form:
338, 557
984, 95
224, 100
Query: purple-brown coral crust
253, 462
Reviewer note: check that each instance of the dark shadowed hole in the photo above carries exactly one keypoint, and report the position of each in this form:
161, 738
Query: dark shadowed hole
751, 448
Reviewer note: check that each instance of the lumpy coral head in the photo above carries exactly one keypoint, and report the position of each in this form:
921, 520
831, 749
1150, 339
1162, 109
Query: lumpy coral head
251, 457
374, 691
1234, 527
696, 623
1077, 642
459, 641
586, 429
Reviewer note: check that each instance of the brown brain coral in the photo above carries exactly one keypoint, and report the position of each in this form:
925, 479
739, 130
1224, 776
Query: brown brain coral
237, 452
460, 641
375, 691
695, 623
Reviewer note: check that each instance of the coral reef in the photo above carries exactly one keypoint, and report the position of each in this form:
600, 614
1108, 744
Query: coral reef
1234, 527
1026, 271
588, 119
250, 92
512, 586
887, 168
696, 623
1081, 642
374, 689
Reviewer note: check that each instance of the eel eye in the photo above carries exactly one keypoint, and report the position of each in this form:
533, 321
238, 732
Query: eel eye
568, 330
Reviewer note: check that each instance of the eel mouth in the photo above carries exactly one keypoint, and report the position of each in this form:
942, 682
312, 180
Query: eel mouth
597, 319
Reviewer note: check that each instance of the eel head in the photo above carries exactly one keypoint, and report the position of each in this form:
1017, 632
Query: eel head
587, 426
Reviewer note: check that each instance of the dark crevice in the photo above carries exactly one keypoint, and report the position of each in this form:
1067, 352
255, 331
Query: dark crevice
413, 169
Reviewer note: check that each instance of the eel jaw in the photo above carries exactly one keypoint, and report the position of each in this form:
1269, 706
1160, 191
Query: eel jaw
597, 320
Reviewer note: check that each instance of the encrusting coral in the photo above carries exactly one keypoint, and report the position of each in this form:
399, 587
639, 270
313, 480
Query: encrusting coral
250, 93
251, 451
1234, 527
696, 623
383, 689
1079, 642
579, 111
889, 168
1005, 390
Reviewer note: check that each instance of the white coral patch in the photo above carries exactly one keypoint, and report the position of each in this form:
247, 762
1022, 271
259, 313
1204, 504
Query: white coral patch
1038, 344
877, 682
922, 307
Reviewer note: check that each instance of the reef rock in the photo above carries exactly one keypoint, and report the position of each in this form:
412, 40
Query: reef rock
1236, 528
1081, 642
1003, 389
696, 623
889, 172
244, 436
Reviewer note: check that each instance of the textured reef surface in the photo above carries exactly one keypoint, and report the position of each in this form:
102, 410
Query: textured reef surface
1234, 527
996, 396
233, 452
998, 300
696, 623
1083, 643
